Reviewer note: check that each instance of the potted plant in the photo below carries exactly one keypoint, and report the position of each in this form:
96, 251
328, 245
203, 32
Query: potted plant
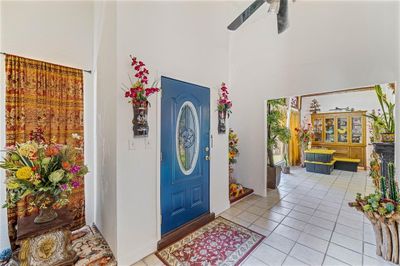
233, 153
382, 209
277, 132
46, 172
385, 119
138, 93
286, 165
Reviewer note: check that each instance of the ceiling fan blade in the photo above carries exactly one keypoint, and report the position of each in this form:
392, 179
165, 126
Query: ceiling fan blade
245, 14
282, 16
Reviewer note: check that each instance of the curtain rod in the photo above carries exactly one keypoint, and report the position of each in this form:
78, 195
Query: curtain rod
84, 70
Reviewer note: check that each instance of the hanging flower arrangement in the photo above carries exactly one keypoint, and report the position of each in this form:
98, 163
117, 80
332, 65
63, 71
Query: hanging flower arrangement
224, 104
138, 94
233, 147
224, 108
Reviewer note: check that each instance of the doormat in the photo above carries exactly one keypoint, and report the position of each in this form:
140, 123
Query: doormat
220, 242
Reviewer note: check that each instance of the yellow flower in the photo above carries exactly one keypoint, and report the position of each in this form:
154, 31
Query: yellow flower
36, 182
27, 150
24, 173
12, 185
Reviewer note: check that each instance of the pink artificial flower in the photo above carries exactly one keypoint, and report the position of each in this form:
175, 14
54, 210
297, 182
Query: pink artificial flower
75, 184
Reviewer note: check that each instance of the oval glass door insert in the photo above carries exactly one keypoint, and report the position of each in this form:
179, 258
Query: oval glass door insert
187, 138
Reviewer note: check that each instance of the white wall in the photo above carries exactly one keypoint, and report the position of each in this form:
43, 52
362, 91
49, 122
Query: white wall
186, 41
330, 45
4, 242
106, 87
58, 32
359, 100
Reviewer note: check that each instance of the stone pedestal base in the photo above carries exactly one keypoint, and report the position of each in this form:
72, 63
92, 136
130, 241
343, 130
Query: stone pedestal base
47, 243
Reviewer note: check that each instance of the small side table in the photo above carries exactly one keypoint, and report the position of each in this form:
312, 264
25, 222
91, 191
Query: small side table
47, 243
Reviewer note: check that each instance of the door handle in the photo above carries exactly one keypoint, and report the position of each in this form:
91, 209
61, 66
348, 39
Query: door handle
207, 149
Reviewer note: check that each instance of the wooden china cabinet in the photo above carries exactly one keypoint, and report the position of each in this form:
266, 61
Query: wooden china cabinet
344, 132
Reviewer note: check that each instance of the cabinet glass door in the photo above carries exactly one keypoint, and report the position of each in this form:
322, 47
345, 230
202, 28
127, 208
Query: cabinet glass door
317, 125
342, 129
356, 129
330, 129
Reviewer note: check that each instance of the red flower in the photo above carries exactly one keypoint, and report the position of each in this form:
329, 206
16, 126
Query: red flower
134, 61
138, 92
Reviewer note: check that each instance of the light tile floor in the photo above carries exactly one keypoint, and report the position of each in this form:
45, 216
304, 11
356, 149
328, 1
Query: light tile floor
307, 221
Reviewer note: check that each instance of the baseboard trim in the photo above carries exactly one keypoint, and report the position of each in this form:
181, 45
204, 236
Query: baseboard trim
184, 230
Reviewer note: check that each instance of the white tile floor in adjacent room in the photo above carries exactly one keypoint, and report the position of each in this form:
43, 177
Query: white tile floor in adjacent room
307, 221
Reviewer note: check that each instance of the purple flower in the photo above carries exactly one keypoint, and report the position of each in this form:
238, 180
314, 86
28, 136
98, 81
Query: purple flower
75, 169
75, 184
64, 187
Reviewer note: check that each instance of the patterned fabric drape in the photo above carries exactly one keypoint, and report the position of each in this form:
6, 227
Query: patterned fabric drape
50, 97
294, 146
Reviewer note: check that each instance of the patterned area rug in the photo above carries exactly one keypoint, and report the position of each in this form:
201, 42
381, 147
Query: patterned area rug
92, 248
220, 242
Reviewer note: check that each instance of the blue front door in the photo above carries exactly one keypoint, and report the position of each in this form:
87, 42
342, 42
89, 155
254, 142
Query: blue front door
185, 134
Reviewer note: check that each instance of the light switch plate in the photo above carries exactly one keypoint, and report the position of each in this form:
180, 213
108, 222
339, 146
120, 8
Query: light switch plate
147, 144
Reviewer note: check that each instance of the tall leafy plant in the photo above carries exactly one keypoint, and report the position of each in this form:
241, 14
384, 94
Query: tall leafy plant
276, 127
385, 120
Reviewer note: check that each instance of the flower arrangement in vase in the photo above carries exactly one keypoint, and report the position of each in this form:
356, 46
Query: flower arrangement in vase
233, 153
224, 108
46, 172
305, 135
138, 95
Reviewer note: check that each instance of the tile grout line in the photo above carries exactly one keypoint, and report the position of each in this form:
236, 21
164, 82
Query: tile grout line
316, 183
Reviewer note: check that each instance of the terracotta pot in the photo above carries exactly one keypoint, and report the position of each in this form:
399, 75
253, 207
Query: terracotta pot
140, 125
273, 177
387, 137
221, 122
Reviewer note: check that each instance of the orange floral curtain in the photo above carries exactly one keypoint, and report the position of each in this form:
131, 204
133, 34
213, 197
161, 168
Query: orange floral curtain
294, 147
50, 97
